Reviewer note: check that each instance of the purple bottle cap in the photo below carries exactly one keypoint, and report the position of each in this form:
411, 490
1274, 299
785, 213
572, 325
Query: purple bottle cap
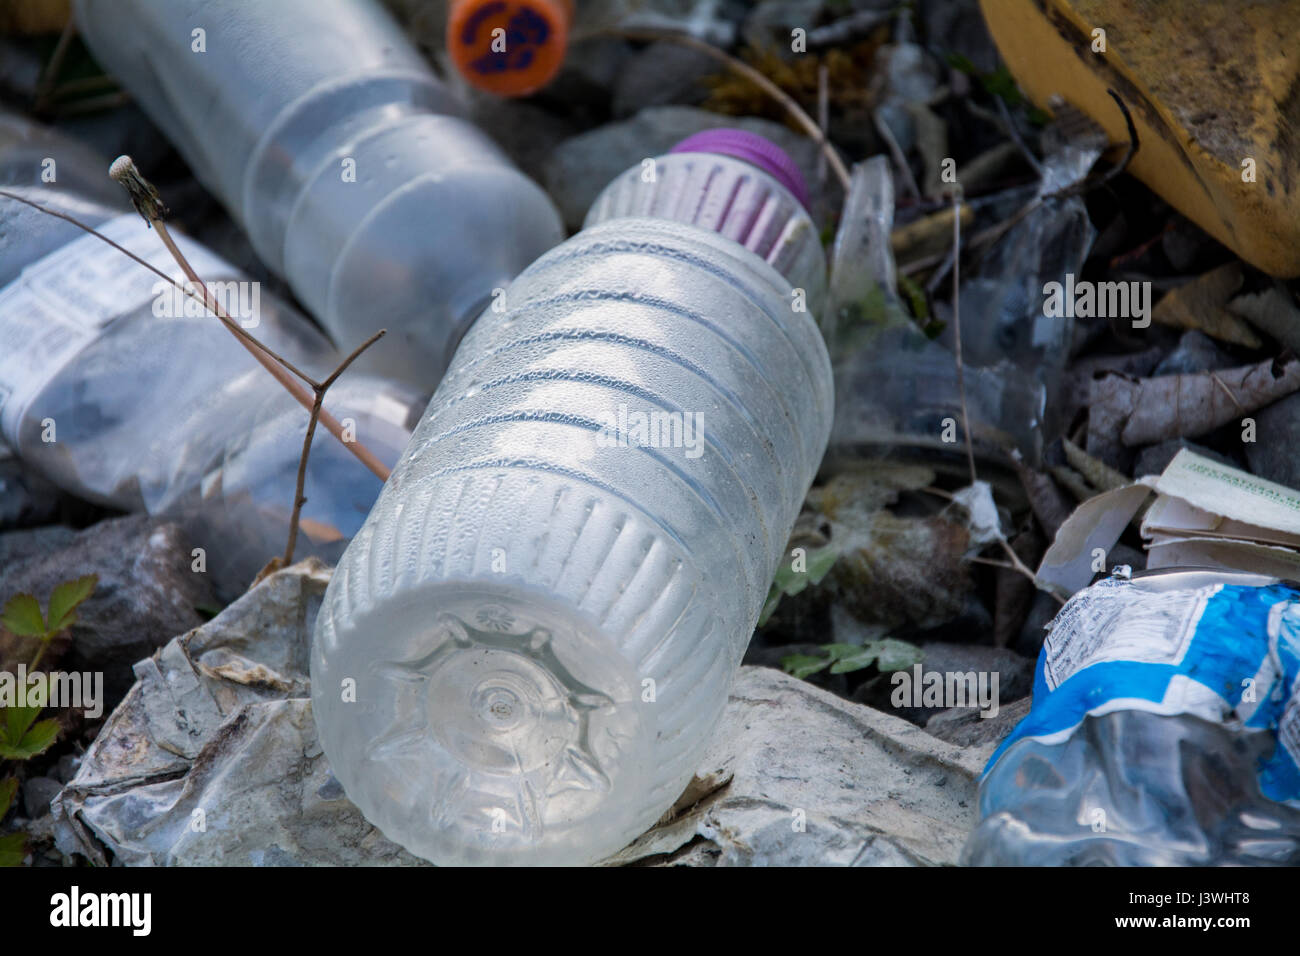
754, 149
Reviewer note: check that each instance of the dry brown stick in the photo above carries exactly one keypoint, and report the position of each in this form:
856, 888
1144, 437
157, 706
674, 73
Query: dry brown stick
897, 154
791, 106
299, 499
1010, 552
258, 350
147, 202
331, 423
92, 104
1084, 185
52, 69
956, 322
823, 115
226, 320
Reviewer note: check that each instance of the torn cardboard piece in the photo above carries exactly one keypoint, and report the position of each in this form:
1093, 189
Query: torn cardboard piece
1205, 514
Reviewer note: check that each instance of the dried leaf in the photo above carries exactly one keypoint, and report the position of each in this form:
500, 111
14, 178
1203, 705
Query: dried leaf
1272, 310
1014, 593
1200, 305
1148, 410
1073, 482
1100, 475
1049, 505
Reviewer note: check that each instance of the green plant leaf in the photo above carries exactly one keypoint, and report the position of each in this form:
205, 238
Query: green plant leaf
22, 616
13, 849
840, 651
803, 665
16, 722
7, 790
896, 655
66, 598
959, 61
820, 562
817, 564
39, 738
865, 656
769, 605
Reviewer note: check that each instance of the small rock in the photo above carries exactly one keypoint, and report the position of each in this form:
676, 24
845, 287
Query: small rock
37, 794
1154, 459
67, 767
1033, 632
1196, 352
1272, 454
966, 728
957, 26
769, 22
146, 593
896, 571
19, 546
26, 498
661, 74
583, 165
527, 132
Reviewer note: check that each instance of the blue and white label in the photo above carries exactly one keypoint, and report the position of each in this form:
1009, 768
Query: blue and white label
1224, 652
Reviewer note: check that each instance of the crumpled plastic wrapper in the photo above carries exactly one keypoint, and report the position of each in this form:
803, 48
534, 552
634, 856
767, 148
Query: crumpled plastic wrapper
212, 759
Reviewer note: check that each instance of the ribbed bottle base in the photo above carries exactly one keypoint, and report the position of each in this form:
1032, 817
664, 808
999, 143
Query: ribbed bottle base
490, 727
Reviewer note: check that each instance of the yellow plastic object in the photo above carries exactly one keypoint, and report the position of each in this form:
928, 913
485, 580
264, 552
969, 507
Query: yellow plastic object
1214, 90
34, 16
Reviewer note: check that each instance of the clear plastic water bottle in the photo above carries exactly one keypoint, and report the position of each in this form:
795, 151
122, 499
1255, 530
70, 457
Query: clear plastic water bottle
1165, 730
345, 159
122, 392
522, 653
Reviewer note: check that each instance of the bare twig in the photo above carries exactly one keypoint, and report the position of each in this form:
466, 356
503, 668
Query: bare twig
299, 499
1089, 183
187, 290
823, 115
896, 153
1016, 138
956, 322
994, 562
147, 202
1084, 185
797, 112
93, 104
55, 66
1016, 563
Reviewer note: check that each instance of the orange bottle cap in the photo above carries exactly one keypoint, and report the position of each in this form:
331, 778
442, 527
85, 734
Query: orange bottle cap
508, 47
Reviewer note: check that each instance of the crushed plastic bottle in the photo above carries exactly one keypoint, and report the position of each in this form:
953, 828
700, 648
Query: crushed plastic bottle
123, 392
522, 653
344, 158
1165, 730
